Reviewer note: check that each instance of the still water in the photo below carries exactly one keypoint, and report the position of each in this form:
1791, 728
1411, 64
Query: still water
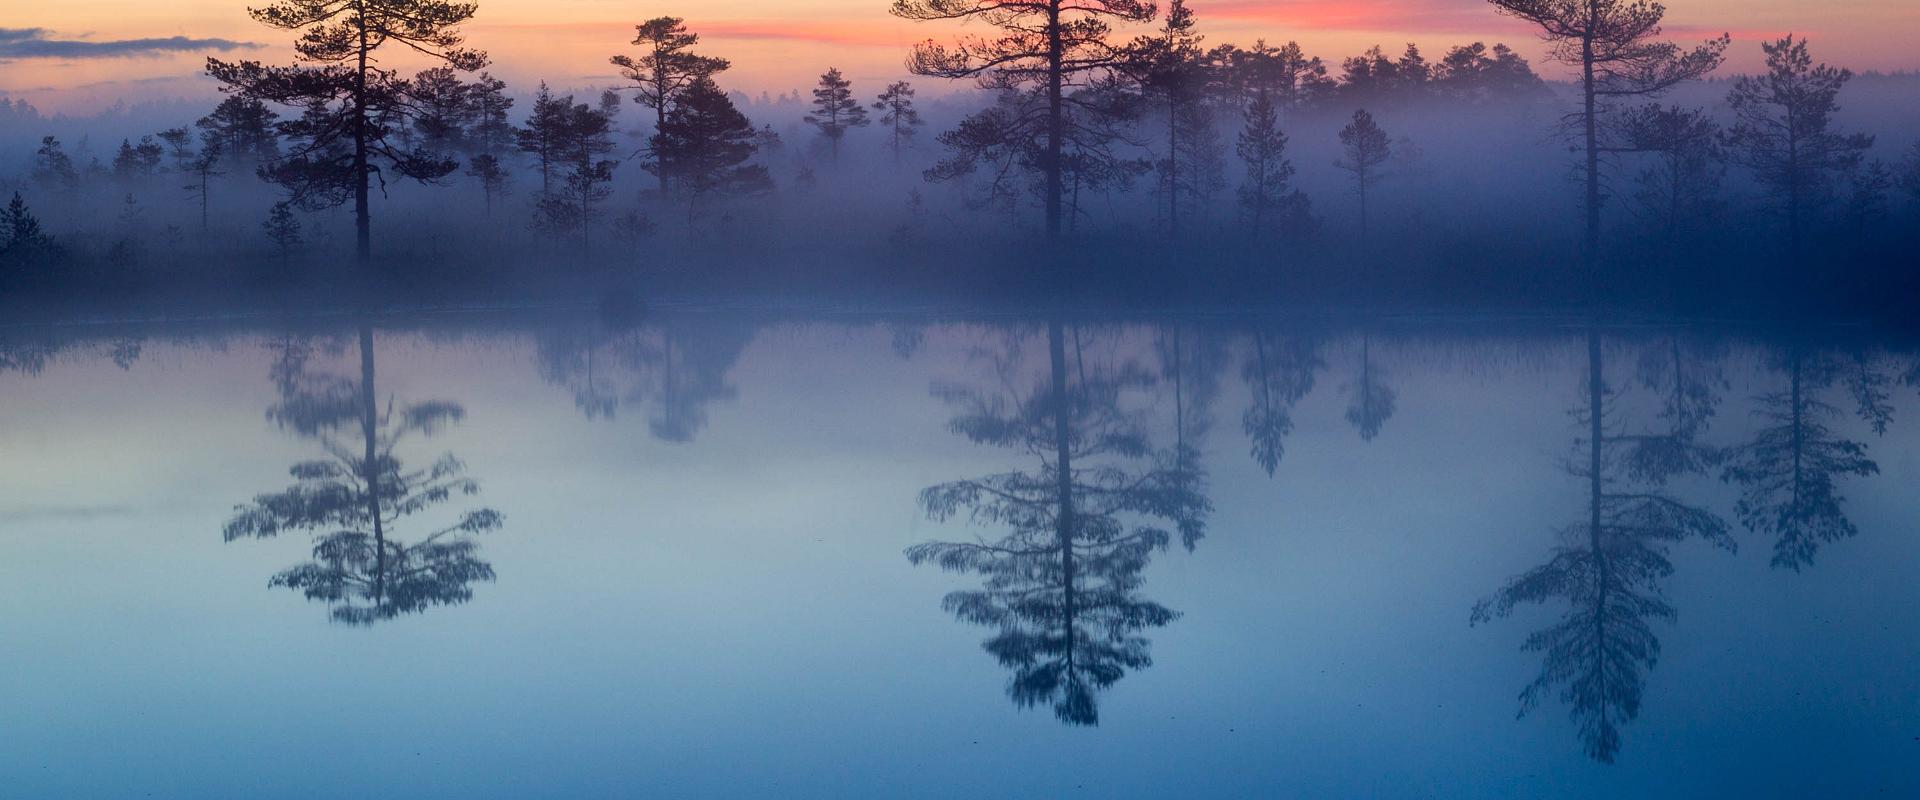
721, 554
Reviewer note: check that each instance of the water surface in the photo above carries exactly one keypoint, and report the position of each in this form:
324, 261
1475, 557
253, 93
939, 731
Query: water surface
706, 554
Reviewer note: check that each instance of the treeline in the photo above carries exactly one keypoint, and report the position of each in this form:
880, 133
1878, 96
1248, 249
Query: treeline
1161, 142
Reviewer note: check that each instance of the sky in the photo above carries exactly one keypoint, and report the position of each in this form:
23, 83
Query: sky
78, 56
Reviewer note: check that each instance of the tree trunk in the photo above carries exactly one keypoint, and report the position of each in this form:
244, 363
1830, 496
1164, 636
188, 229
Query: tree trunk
1056, 117
1063, 481
369, 427
362, 217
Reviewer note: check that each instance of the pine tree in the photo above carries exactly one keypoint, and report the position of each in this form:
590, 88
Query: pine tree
354, 107
544, 134
52, 167
664, 71
1784, 131
1614, 45
898, 114
1267, 195
834, 109
246, 129
283, 229
21, 239
1048, 50
1367, 149
705, 147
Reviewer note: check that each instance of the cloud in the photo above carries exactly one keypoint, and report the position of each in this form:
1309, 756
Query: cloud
18, 43
1436, 16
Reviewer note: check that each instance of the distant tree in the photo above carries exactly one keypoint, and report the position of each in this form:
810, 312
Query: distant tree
486, 170
489, 132
52, 167
1607, 571
1869, 187
246, 128
585, 138
1372, 77
1284, 75
353, 106
545, 134
1047, 48
138, 161
22, 241
1614, 45
1171, 69
1468, 73
1267, 195
1680, 189
1367, 149
665, 70
898, 114
1787, 471
442, 109
283, 229
835, 111
204, 167
1783, 131
706, 145
1910, 172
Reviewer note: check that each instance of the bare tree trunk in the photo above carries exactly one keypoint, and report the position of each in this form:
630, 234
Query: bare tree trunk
1056, 116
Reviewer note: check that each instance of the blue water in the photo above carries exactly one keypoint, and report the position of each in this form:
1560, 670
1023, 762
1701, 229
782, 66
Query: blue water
698, 583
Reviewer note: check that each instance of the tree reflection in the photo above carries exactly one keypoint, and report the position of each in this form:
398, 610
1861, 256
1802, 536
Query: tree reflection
1371, 402
1280, 372
1787, 472
352, 501
677, 371
1061, 587
1608, 570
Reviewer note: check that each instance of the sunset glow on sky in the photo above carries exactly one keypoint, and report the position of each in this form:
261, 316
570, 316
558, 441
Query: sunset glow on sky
780, 45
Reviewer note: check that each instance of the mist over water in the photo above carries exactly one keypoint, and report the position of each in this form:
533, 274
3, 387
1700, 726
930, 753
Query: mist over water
690, 571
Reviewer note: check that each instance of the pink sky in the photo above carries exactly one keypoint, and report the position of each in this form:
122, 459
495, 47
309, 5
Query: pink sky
780, 45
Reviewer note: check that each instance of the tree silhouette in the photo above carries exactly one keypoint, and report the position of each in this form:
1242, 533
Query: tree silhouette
1607, 571
1285, 76
705, 144
1614, 44
1279, 373
1367, 149
1060, 588
202, 165
834, 109
1046, 47
1171, 70
246, 129
1787, 471
352, 501
898, 114
283, 229
1467, 73
1267, 196
22, 242
353, 106
581, 136
52, 167
1680, 191
663, 72
1784, 131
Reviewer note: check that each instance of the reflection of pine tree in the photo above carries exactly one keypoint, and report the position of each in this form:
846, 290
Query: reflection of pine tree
1280, 373
1787, 471
679, 372
1372, 400
1608, 572
1061, 587
353, 500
